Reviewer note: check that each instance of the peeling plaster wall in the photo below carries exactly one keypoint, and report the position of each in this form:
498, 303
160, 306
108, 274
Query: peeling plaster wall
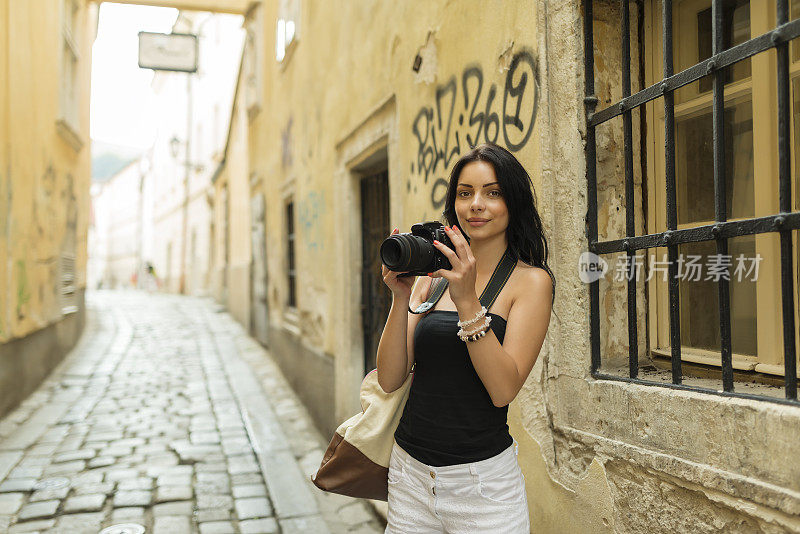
44, 196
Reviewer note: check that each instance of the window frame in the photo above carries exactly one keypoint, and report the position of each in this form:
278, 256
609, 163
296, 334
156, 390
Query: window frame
288, 12
68, 123
291, 255
780, 221
760, 91
694, 104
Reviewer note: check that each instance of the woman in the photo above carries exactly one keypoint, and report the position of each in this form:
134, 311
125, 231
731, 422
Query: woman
453, 466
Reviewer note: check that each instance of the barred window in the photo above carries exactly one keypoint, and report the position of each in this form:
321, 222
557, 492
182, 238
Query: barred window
287, 29
717, 152
68, 123
290, 256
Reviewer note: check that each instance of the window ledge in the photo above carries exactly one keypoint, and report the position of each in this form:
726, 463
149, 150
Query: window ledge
291, 320
740, 362
287, 54
708, 357
255, 180
69, 134
773, 369
769, 375
658, 372
69, 310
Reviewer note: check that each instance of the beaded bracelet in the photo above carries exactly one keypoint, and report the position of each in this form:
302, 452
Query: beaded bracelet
475, 319
474, 335
477, 336
477, 333
485, 324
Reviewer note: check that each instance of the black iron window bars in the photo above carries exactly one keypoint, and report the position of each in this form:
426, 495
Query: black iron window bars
722, 230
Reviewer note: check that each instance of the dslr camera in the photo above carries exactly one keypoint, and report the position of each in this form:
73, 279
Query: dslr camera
413, 254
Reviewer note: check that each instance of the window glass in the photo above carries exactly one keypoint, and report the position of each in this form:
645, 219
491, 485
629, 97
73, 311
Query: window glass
695, 165
796, 145
735, 30
700, 302
694, 43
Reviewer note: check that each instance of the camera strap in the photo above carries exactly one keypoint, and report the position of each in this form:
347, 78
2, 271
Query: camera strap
498, 279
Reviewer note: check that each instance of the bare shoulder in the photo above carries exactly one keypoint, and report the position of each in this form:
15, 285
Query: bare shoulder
532, 282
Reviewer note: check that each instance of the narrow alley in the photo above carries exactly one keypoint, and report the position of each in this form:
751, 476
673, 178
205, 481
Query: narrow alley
157, 420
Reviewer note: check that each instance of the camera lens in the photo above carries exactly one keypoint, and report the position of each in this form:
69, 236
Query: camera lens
406, 252
392, 253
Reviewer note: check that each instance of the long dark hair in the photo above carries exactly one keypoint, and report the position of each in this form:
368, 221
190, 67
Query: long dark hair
525, 234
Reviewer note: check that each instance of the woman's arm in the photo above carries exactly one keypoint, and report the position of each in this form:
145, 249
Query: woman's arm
504, 369
395, 349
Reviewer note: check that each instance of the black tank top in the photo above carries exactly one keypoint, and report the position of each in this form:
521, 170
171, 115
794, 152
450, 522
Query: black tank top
449, 417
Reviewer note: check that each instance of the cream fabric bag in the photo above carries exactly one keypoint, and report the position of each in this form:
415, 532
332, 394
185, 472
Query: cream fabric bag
356, 462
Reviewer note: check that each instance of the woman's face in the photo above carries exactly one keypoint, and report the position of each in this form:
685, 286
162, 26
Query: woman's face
478, 198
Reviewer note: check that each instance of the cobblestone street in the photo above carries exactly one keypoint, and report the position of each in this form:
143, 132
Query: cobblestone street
166, 417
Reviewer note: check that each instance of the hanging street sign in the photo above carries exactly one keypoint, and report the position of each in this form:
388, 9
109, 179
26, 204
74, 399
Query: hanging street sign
168, 51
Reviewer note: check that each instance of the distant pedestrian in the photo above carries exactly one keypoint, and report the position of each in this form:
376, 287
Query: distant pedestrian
453, 466
151, 282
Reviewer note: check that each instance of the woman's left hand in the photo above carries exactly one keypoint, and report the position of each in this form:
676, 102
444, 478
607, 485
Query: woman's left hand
463, 274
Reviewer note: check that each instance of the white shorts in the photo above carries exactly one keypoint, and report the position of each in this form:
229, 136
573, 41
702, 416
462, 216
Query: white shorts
472, 498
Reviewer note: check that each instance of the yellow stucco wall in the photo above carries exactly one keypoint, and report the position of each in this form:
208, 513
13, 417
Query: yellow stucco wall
44, 185
238, 179
294, 143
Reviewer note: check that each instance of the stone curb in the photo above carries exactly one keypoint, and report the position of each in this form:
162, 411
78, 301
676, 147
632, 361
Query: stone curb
305, 444
285, 482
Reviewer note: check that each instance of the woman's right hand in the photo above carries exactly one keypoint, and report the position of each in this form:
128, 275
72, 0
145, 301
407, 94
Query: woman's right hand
401, 287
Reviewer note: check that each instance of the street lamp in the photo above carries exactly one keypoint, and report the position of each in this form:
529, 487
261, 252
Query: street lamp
174, 146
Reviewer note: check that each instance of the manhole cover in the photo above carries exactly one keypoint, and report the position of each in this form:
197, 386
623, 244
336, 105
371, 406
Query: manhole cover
51, 483
124, 528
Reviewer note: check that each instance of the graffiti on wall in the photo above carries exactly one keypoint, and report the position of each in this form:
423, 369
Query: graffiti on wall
309, 214
70, 200
467, 112
44, 214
